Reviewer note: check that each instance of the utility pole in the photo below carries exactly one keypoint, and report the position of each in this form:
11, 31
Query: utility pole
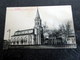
9, 31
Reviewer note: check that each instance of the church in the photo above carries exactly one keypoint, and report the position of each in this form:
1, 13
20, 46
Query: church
31, 36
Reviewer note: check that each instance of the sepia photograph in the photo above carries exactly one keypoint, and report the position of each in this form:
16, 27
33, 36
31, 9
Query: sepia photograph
39, 27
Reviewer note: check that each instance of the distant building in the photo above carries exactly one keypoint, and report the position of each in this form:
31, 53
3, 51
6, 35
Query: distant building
53, 40
29, 36
71, 39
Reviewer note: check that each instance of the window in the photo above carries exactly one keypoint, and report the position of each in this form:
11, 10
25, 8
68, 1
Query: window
30, 39
26, 32
13, 42
17, 38
35, 31
25, 39
21, 40
17, 42
18, 33
38, 23
30, 31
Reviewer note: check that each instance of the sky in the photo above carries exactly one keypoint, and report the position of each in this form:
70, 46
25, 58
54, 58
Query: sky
21, 18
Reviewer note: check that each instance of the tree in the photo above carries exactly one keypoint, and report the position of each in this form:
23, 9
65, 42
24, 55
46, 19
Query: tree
46, 33
65, 30
45, 28
68, 28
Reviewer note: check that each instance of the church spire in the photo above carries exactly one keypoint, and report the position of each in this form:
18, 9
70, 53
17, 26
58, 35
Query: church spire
37, 14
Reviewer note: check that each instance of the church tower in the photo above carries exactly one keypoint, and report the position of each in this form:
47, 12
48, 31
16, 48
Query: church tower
38, 28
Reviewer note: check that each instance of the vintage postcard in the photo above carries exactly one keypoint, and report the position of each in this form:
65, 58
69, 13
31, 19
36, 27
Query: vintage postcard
39, 27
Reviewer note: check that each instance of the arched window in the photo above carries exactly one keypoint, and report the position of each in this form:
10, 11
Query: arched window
17, 38
22, 40
17, 42
13, 42
14, 38
25, 39
30, 39
37, 23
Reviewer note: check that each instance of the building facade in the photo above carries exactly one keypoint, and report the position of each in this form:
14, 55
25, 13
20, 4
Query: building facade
71, 39
29, 36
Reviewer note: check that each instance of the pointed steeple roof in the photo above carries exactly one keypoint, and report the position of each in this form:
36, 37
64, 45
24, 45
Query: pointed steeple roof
37, 14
